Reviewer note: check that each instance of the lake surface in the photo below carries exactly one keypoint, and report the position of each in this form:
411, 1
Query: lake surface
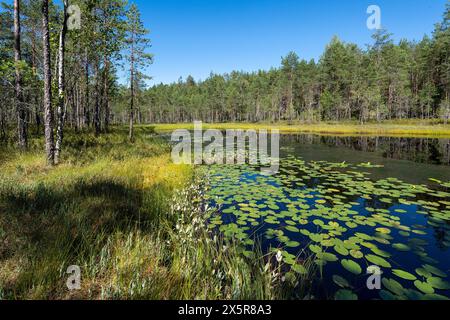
342, 204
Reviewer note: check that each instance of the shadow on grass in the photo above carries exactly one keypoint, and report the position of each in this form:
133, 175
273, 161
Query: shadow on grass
56, 227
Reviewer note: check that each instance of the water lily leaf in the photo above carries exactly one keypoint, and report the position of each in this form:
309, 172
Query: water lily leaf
305, 232
393, 286
381, 262
401, 247
351, 266
315, 249
351, 225
368, 245
300, 269
345, 294
318, 222
341, 282
363, 236
326, 256
438, 283
424, 273
414, 295
341, 250
356, 254
327, 243
434, 271
429, 260
292, 244
388, 296
383, 230
292, 229
404, 275
424, 287
381, 253
316, 237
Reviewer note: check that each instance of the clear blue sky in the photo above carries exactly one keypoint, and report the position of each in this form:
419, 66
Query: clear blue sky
199, 36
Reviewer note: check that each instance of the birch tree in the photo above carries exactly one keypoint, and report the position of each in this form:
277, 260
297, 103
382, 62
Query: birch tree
48, 112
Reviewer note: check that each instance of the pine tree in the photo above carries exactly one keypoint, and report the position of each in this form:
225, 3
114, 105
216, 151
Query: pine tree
137, 56
20, 107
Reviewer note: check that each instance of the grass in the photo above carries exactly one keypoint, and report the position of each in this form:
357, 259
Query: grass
132, 220
413, 128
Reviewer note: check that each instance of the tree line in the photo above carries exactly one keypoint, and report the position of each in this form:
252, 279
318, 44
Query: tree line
386, 80
53, 76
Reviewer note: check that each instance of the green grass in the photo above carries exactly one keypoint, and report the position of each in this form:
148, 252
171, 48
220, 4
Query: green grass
413, 128
126, 215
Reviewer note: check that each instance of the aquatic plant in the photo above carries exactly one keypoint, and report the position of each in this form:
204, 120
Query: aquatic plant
338, 214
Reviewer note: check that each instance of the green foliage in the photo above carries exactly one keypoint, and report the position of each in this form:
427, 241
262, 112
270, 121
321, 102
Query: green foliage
385, 81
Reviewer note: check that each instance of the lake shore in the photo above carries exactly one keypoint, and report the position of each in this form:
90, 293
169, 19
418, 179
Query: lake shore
410, 128
122, 213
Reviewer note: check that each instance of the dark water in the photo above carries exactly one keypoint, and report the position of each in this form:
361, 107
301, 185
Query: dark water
400, 206
413, 160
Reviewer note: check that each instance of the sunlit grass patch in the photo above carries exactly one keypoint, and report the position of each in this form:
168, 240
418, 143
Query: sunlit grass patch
416, 128
55, 217
111, 208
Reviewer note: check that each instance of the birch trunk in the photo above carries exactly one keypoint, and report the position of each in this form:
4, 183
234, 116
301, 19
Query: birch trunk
48, 115
61, 86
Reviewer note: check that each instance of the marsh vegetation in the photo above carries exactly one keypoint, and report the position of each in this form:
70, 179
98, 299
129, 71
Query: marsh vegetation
133, 221
86, 180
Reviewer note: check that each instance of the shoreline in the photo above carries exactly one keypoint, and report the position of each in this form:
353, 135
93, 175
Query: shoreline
407, 129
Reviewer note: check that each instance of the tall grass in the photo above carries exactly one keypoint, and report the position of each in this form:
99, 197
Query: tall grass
133, 221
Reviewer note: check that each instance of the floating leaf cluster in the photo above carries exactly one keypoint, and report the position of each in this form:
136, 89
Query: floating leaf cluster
347, 221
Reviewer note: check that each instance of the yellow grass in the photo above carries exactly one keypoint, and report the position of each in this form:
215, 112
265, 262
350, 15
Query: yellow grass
129, 217
414, 128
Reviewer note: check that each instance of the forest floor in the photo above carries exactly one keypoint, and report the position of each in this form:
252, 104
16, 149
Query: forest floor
412, 128
129, 218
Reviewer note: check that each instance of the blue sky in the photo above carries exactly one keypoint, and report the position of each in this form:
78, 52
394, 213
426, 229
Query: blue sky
195, 37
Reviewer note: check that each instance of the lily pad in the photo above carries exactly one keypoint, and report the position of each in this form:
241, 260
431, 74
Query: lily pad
393, 286
341, 250
425, 287
300, 269
381, 262
326, 256
356, 254
438, 283
351, 266
404, 275
434, 271
341, 282
401, 247
345, 294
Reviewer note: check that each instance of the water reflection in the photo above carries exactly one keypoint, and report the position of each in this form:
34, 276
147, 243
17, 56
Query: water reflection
420, 150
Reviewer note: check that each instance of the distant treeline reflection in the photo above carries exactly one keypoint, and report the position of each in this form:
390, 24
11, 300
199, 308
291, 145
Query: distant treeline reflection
421, 150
